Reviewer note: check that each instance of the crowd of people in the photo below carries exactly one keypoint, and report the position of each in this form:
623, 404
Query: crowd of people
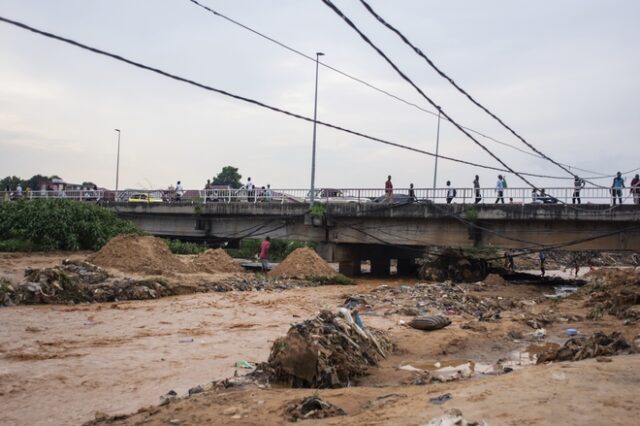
538, 196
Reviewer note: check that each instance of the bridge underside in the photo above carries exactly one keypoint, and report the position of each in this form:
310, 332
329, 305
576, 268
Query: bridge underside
348, 233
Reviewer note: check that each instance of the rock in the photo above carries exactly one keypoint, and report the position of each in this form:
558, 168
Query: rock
195, 390
175, 422
99, 416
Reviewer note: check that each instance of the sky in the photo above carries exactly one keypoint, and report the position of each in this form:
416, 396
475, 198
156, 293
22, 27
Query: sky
563, 74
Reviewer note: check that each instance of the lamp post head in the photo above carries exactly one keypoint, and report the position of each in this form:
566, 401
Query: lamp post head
117, 130
319, 54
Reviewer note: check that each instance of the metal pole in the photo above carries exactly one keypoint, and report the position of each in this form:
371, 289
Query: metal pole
117, 163
435, 169
313, 152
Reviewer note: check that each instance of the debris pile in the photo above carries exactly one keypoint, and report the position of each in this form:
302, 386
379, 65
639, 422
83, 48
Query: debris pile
494, 280
615, 292
304, 263
139, 254
6, 293
446, 297
454, 266
327, 351
596, 345
81, 282
311, 407
215, 260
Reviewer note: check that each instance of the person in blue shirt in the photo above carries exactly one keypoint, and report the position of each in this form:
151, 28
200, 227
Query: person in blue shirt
616, 188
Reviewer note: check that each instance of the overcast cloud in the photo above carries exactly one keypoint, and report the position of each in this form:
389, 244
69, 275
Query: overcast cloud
562, 73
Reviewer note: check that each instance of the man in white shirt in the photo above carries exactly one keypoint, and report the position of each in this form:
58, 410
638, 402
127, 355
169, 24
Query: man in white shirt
500, 189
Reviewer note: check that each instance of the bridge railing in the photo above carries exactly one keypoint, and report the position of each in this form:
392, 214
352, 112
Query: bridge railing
78, 195
562, 195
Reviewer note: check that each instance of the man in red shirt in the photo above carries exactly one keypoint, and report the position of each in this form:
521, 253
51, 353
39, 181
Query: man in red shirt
264, 253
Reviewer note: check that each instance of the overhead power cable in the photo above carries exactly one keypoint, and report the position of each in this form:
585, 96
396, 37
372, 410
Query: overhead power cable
253, 101
408, 80
598, 175
460, 89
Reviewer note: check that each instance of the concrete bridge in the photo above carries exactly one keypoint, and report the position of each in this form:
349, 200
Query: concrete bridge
351, 232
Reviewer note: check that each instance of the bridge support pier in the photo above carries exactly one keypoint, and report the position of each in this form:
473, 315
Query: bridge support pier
406, 266
349, 268
381, 266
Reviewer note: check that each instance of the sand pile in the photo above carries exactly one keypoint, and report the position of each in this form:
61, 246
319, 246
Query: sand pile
143, 255
217, 260
303, 263
327, 351
494, 280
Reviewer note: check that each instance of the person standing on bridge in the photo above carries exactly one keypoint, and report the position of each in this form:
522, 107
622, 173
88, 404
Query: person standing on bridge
635, 189
412, 194
250, 189
264, 253
578, 184
476, 189
616, 188
388, 190
500, 186
451, 192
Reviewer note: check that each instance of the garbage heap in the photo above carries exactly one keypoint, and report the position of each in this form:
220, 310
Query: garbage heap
311, 407
328, 351
455, 266
78, 282
596, 345
615, 292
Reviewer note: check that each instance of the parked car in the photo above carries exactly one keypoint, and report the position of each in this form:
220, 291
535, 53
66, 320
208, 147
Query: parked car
141, 197
331, 195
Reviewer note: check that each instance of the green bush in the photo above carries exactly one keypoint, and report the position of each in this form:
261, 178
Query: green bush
58, 225
181, 247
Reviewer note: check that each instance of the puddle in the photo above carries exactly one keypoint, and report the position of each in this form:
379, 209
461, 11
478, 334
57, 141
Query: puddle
562, 291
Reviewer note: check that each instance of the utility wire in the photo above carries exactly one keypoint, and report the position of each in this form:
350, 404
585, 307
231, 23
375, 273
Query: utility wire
385, 92
253, 101
408, 80
460, 89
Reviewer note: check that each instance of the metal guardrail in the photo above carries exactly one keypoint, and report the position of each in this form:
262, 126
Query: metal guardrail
558, 195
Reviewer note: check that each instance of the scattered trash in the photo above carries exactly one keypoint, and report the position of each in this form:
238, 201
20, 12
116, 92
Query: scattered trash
439, 400
189, 340
244, 364
453, 417
311, 407
571, 332
430, 323
603, 359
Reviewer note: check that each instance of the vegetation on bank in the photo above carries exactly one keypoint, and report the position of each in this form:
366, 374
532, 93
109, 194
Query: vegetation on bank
182, 247
58, 224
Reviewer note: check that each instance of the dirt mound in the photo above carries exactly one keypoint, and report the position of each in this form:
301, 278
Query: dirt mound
494, 279
216, 260
140, 254
303, 263
614, 291
327, 351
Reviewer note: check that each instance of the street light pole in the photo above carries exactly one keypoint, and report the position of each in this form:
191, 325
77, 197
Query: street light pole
117, 163
313, 152
435, 168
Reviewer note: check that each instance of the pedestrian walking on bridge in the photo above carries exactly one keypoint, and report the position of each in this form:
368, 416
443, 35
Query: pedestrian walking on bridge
635, 189
501, 184
476, 189
388, 190
578, 184
616, 188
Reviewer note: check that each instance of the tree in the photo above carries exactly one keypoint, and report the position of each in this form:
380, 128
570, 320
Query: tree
228, 176
11, 182
37, 182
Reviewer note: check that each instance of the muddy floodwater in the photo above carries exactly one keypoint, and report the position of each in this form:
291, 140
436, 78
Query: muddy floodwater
62, 364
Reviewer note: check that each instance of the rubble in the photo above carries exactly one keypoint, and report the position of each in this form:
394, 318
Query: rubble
327, 351
311, 407
455, 266
303, 263
596, 345
6, 293
453, 417
615, 292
